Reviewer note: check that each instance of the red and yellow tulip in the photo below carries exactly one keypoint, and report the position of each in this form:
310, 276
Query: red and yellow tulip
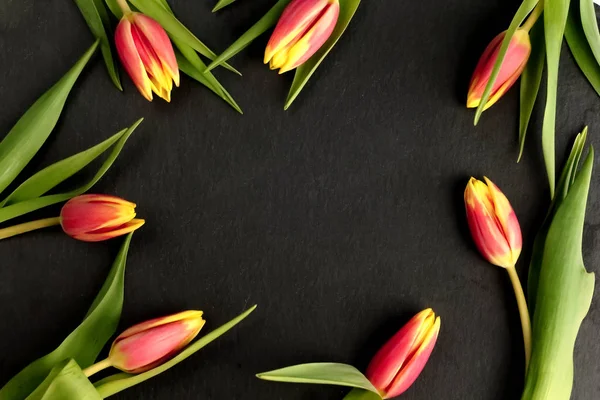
493, 223
303, 28
94, 217
147, 55
151, 343
400, 361
513, 65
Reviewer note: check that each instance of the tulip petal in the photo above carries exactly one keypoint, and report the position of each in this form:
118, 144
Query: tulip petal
312, 40
131, 59
185, 315
507, 219
101, 235
414, 366
295, 20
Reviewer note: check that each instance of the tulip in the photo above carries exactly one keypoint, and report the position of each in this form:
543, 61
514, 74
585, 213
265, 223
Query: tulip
497, 234
513, 65
149, 344
493, 223
146, 53
400, 361
304, 26
94, 217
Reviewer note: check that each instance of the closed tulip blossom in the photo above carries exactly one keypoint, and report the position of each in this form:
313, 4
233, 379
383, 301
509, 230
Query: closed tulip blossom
513, 65
399, 362
497, 235
146, 53
304, 26
151, 343
89, 218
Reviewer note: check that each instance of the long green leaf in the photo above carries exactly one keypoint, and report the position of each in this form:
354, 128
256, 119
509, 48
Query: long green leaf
581, 49
222, 4
92, 11
86, 341
590, 26
555, 20
564, 295
305, 71
114, 8
564, 184
175, 28
321, 373
267, 21
119, 382
66, 381
31, 131
192, 65
24, 207
361, 394
56, 173
531, 81
526, 7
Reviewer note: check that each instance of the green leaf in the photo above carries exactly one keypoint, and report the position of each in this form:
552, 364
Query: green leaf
305, 71
555, 19
175, 28
590, 26
24, 207
526, 7
114, 8
222, 4
531, 81
321, 373
84, 343
563, 298
92, 11
56, 173
192, 65
581, 50
267, 21
31, 131
360, 394
566, 180
119, 382
66, 381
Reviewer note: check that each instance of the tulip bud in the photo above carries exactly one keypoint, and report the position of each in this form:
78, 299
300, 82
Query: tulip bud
304, 26
493, 223
400, 361
151, 343
94, 217
147, 55
513, 65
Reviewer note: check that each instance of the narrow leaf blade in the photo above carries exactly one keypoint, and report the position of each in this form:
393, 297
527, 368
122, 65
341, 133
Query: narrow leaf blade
321, 373
92, 11
24, 207
86, 341
590, 26
175, 28
305, 71
267, 21
222, 4
56, 173
531, 81
526, 7
111, 385
361, 394
581, 49
31, 131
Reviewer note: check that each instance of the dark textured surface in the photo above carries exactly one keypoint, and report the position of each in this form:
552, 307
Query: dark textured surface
341, 218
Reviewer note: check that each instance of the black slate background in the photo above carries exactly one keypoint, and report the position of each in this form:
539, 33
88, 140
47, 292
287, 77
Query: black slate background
341, 218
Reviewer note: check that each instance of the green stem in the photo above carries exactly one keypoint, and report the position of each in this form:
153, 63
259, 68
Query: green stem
523, 313
534, 16
28, 227
124, 6
99, 366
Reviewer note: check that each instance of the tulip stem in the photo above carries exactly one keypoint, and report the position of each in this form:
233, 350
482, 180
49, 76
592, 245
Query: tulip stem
534, 16
124, 6
99, 366
523, 312
28, 227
